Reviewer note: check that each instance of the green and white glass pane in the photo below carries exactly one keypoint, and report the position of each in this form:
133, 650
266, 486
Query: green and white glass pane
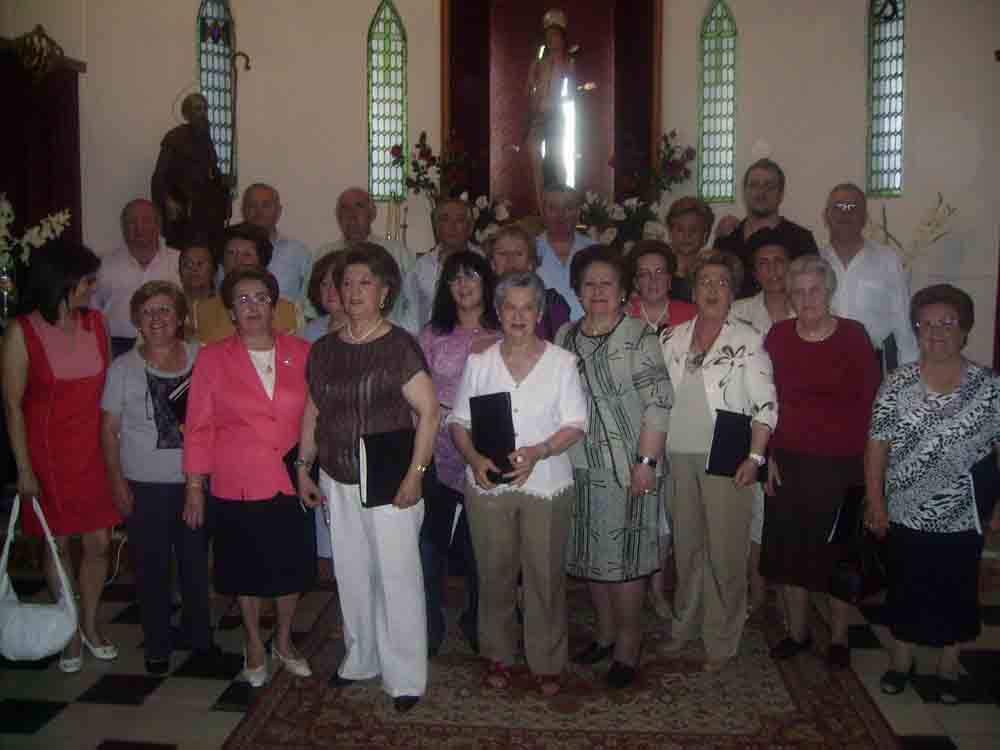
886, 99
717, 121
216, 45
386, 102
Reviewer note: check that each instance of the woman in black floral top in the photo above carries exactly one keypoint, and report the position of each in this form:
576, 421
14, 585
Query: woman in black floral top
932, 421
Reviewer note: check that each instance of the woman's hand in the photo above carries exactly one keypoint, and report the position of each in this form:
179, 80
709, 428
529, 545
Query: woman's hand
643, 479
480, 466
194, 507
876, 517
523, 460
410, 490
308, 491
28, 486
123, 498
746, 474
773, 478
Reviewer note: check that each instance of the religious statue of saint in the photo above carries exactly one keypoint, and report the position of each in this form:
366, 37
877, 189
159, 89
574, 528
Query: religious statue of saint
550, 84
187, 186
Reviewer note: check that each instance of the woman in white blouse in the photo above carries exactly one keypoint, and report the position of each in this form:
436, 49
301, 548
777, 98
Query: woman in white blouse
716, 362
522, 525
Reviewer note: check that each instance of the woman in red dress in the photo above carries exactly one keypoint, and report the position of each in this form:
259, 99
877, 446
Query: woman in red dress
54, 363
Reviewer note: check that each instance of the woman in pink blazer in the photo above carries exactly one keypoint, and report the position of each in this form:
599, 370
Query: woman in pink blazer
244, 414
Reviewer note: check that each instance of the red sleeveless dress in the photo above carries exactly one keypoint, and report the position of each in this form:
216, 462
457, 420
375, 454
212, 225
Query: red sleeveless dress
62, 419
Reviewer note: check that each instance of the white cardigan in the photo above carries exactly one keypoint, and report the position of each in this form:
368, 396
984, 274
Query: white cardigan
737, 370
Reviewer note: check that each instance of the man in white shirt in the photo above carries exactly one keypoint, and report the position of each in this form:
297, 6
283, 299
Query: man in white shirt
872, 287
560, 242
356, 212
292, 260
126, 269
453, 226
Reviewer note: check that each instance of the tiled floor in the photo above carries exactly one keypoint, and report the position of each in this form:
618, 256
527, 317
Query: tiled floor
116, 706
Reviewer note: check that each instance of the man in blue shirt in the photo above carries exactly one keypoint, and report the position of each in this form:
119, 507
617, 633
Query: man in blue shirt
560, 242
292, 261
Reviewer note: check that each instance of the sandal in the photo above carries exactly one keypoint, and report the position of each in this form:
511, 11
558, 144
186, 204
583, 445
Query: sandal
549, 684
498, 675
894, 682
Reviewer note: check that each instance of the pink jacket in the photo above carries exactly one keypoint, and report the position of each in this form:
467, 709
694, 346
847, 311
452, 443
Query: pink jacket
233, 431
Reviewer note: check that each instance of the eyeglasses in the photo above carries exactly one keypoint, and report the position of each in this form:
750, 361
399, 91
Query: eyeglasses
253, 299
646, 275
846, 206
465, 273
945, 324
161, 311
709, 283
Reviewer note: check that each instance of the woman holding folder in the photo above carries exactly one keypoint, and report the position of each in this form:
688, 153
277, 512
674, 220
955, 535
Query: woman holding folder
520, 517
368, 379
716, 364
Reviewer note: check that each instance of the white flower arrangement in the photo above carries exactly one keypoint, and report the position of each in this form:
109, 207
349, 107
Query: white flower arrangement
488, 215
935, 226
33, 238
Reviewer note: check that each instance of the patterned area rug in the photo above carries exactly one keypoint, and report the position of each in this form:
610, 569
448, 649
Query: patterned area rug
753, 703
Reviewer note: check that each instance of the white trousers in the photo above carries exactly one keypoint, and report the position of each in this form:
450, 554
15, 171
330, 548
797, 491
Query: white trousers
381, 584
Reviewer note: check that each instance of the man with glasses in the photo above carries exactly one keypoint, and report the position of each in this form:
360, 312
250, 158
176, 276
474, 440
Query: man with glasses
871, 285
560, 242
763, 191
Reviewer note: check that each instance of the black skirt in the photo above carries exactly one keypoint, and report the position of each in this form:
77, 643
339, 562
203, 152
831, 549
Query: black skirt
263, 548
933, 595
798, 519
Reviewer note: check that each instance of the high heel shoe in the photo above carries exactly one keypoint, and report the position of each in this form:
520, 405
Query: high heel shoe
107, 652
297, 665
71, 664
257, 676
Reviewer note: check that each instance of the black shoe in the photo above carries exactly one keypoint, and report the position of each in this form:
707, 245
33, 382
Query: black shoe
894, 682
338, 682
789, 647
405, 703
949, 691
621, 675
594, 653
839, 656
471, 633
158, 667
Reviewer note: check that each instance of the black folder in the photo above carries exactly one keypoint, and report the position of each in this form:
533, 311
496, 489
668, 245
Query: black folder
290, 458
986, 485
493, 431
849, 517
383, 460
731, 445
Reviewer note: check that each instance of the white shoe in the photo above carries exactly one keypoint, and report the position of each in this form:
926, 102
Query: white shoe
257, 677
71, 664
298, 666
106, 652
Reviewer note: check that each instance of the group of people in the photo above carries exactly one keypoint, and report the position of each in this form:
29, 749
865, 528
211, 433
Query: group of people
225, 420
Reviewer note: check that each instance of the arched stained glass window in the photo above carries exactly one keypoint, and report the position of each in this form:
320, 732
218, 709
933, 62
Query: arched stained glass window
717, 106
886, 97
216, 45
387, 115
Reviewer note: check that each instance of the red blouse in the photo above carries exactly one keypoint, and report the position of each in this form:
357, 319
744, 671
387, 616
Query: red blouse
825, 389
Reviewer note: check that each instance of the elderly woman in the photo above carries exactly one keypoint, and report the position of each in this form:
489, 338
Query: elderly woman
771, 305
244, 415
932, 421
54, 363
514, 250
689, 221
371, 377
716, 363
244, 246
825, 375
197, 271
464, 320
614, 530
323, 296
143, 443
523, 523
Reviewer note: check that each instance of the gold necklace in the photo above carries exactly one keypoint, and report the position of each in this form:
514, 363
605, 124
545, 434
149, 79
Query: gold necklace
369, 332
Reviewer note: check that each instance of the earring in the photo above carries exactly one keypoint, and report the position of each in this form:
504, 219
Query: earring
381, 305
623, 300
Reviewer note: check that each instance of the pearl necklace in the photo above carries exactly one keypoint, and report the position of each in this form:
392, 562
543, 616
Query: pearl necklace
655, 326
369, 332
596, 332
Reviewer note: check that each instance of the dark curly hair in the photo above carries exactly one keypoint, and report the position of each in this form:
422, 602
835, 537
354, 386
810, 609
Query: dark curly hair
55, 272
233, 278
586, 257
382, 265
320, 269
444, 316
944, 294
251, 233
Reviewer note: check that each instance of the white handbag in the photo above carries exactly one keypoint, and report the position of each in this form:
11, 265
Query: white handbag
34, 631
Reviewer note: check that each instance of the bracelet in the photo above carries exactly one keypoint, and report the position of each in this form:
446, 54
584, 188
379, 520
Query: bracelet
421, 468
303, 462
757, 459
650, 462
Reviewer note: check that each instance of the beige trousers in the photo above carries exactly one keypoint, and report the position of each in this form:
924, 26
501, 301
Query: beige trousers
711, 535
515, 532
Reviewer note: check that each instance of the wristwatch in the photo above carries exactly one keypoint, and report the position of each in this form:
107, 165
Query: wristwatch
650, 462
757, 459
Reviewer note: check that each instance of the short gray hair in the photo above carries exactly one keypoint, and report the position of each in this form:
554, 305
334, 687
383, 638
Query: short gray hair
520, 280
811, 263
723, 259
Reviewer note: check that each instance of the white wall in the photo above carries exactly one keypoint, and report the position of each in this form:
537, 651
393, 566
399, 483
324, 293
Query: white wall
802, 96
303, 121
